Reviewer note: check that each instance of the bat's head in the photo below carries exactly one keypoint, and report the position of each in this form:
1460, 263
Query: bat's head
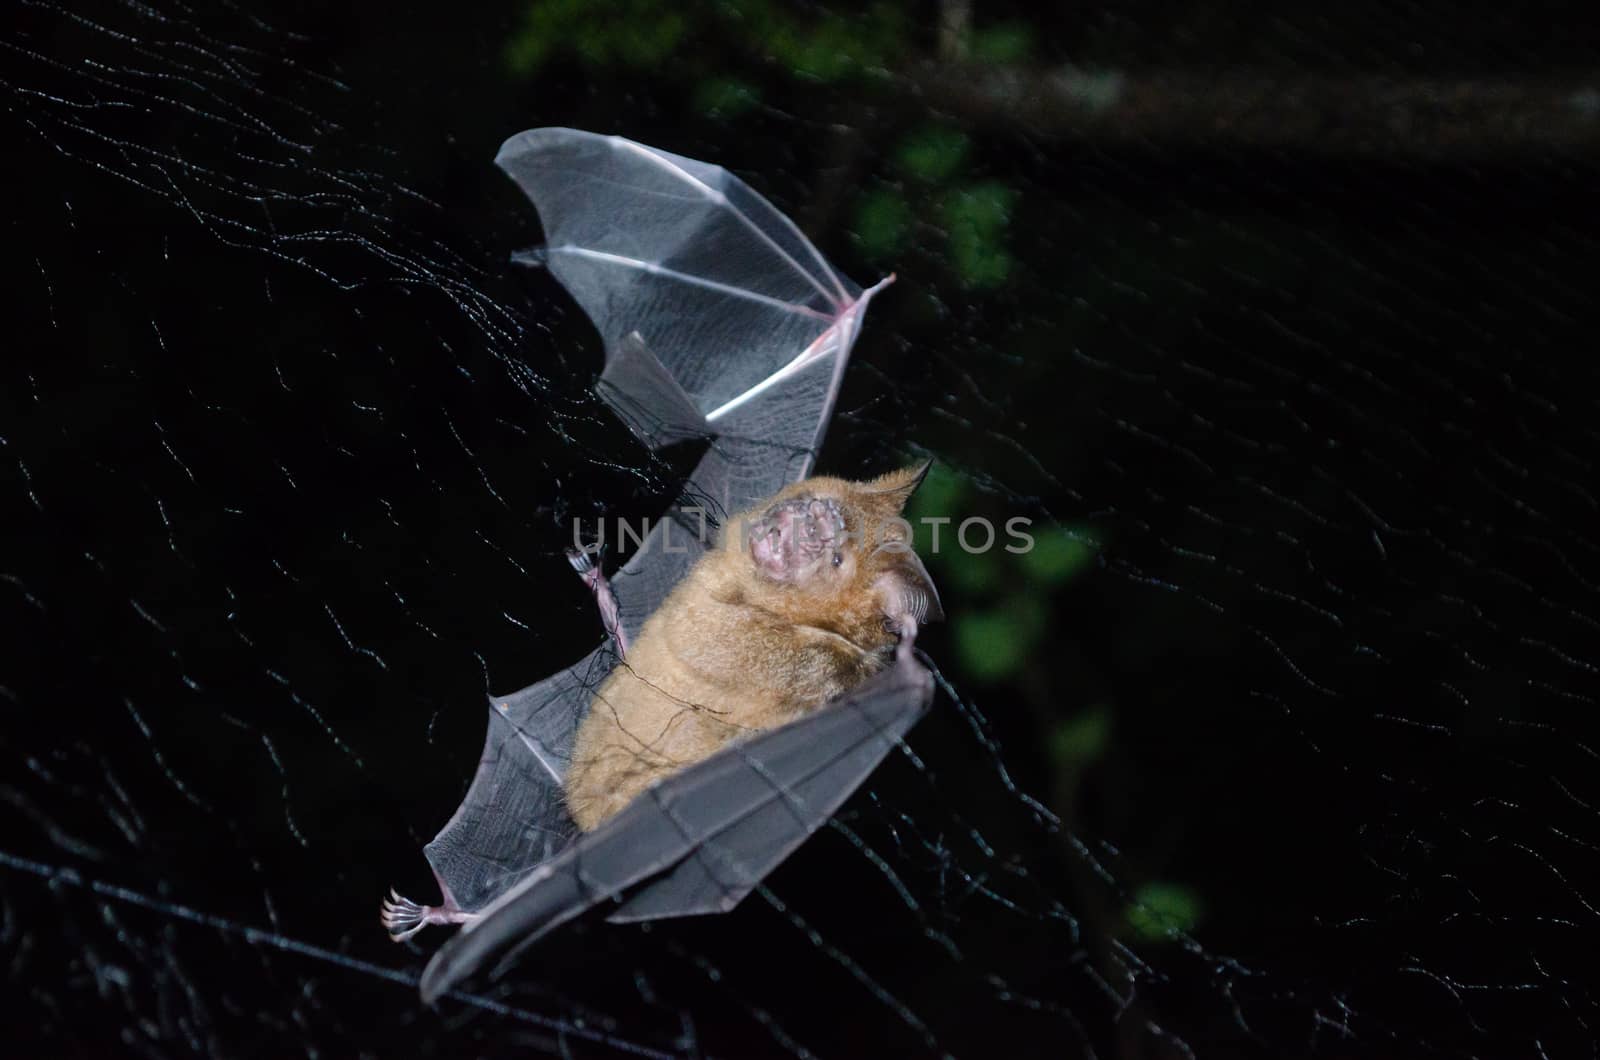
829, 548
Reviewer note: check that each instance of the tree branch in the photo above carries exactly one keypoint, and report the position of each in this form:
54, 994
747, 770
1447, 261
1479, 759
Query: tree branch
1317, 113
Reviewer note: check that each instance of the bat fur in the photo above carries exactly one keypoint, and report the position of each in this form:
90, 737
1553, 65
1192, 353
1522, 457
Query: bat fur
805, 596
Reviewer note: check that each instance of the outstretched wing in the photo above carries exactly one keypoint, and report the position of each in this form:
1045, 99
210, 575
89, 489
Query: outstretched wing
720, 320
698, 841
720, 287
513, 817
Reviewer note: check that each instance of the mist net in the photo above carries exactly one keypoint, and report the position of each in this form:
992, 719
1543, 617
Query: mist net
1275, 333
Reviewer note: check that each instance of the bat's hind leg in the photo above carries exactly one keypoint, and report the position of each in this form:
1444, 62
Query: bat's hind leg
403, 918
586, 561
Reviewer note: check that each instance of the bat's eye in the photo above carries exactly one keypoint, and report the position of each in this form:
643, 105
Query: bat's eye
838, 558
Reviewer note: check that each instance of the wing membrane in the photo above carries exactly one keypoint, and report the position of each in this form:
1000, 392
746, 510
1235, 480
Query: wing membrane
721, 287
698, 841
719, 320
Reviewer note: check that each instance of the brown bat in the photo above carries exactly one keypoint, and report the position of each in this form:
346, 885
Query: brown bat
804, 597
742, 715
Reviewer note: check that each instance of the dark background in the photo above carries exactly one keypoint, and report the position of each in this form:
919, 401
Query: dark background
1276, 319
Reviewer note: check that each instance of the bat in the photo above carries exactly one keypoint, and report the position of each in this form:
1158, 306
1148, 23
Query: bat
720, 321
803, 598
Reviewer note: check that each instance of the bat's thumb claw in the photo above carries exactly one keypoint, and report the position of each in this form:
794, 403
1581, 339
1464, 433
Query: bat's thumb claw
532, 257
587, 558
907, 624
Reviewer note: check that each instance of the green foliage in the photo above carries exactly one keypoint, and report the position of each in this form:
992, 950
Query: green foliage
1162, 911
941, 491
1082, 739
993, 644
826, 52
883, 219
1058, 554
641, 34
1001, 620
833, 47
970, 575
941, 496
682, 42
725, 97
976, 218
933, 153
531, 43
1009, 42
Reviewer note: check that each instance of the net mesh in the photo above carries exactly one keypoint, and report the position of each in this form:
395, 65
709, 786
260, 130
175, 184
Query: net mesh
1281, 738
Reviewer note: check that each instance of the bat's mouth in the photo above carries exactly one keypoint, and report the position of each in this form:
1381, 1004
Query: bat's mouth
794, 535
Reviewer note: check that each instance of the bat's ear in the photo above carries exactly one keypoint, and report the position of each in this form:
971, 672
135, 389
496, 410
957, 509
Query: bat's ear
898, 486
906, 588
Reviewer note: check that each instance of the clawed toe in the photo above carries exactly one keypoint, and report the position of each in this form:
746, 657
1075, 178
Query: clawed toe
402, 917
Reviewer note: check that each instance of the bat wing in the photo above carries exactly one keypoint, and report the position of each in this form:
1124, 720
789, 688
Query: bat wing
698, 841
513, 817
721, 321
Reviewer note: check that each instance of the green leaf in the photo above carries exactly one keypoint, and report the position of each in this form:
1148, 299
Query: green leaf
981, 207
935, 516
1059, 554
976, 218
525, 53
652, 43
1080, 740
994, 644
933, 154
833, 47
970, 574
981, 260
1009, 42
637, 33
1162, 911
725, 97
541, 30
883, 218
826, 51
939, 495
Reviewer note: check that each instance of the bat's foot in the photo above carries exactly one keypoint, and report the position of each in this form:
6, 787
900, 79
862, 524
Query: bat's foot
403, 918
586, 561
